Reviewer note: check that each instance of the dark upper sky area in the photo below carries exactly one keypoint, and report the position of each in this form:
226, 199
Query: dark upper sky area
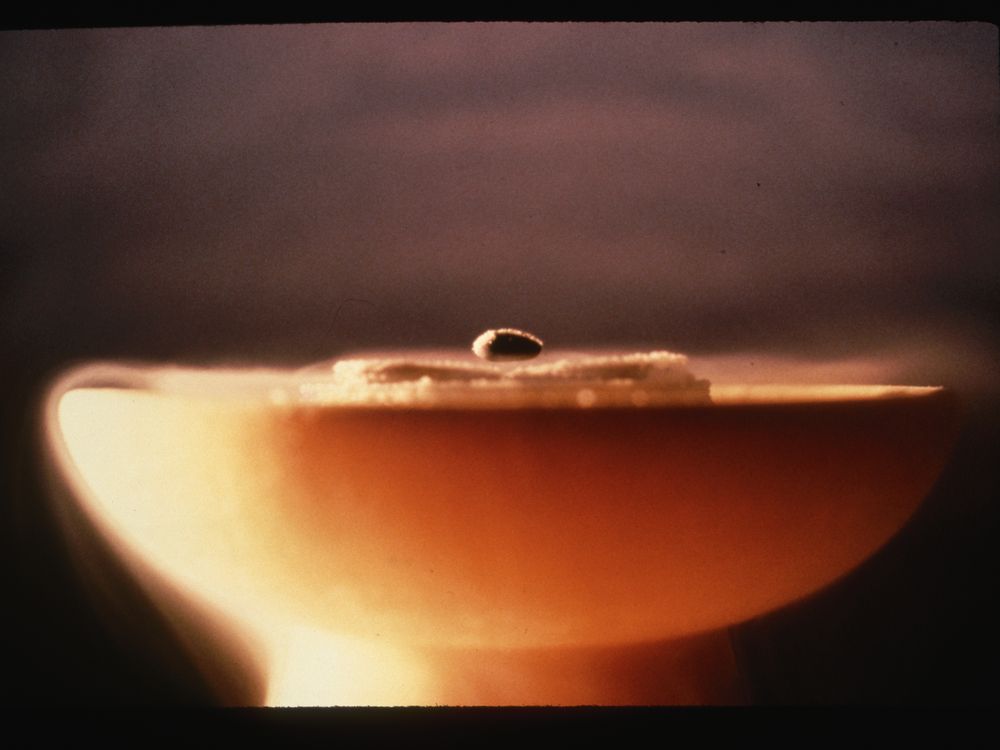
287, 192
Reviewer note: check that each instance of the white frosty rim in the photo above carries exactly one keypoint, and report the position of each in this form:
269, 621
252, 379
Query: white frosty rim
562, 382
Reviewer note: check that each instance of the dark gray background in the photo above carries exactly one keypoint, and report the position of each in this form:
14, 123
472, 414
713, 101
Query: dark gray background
281, 194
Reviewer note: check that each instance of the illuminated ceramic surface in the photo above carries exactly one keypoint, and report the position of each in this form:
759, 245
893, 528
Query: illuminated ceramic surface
404, 538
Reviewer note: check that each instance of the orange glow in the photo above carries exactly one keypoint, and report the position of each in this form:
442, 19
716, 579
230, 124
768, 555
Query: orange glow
362, 546
313, 667
505, 530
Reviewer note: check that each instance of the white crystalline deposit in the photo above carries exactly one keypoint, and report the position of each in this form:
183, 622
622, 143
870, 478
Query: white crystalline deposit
552, 380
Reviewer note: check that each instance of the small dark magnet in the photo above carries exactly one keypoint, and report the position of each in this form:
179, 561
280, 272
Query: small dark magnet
506, 343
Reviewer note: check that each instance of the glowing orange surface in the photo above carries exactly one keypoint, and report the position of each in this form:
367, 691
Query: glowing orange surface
571, 527
500, 529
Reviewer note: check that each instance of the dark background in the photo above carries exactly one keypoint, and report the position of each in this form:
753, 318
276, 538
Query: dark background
281, 194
